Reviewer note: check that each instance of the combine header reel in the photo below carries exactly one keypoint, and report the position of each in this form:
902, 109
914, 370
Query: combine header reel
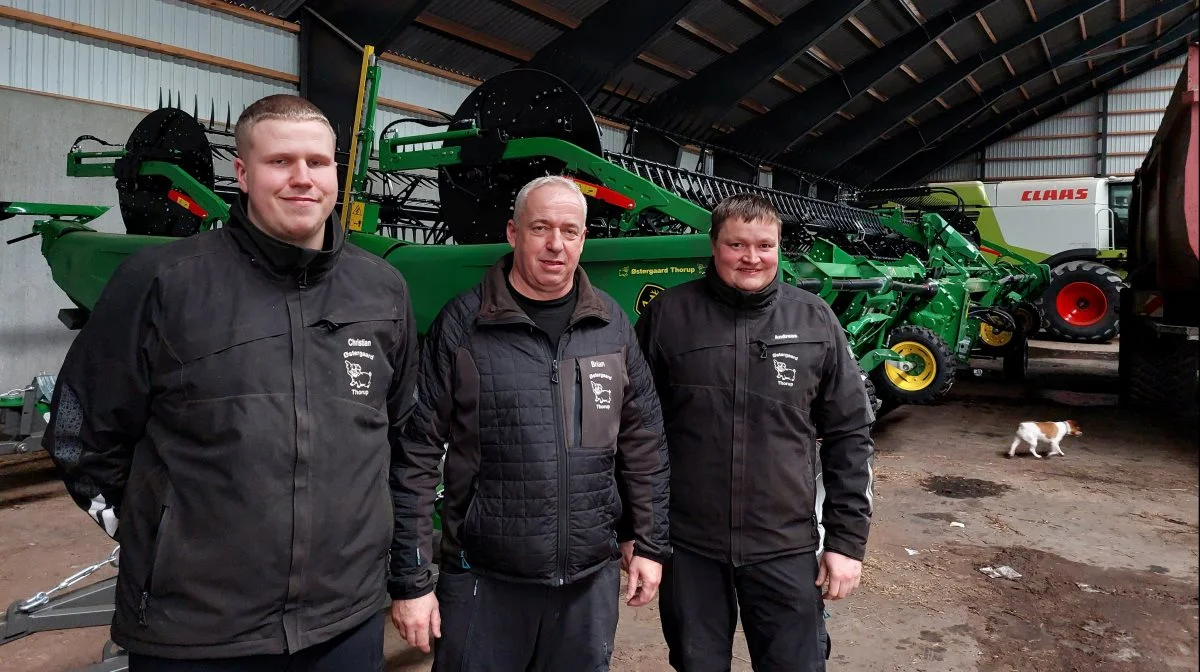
880, 265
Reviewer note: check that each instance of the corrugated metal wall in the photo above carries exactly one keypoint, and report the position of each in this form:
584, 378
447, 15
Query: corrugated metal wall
613, 138
1108, 135
1065, 144
52, 61
420, 88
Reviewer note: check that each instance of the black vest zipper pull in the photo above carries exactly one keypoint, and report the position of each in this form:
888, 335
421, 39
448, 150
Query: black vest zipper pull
762, 352
554, 371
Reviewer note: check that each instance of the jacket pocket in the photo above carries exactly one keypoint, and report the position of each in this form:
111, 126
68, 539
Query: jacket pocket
788, 362
386, 513
154, 575
351, 353
470, 524
601, 394
232, 360
199, 344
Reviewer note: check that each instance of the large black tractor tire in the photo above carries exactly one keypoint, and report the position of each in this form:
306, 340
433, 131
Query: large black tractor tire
1016, 359
1160, 373
1083, 302
929, 381
998, 331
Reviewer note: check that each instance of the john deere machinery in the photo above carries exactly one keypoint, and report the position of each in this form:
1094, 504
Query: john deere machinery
910, 289
1079, 227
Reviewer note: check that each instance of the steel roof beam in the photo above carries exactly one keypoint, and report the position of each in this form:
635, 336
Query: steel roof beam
1048, 104
369, 21
841, 144
691, 107
771, 133
877, 162
609, 39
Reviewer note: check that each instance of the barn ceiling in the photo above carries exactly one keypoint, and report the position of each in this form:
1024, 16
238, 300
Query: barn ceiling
870, 92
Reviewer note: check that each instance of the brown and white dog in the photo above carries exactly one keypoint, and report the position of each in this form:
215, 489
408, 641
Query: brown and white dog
1050, 432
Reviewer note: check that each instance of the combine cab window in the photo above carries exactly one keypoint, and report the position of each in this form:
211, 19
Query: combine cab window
1118, 200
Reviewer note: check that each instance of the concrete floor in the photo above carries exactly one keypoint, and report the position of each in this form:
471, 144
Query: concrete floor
1105, 539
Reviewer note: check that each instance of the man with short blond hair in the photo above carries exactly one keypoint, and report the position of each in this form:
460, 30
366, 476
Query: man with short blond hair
277, 107
556, 455
230, 414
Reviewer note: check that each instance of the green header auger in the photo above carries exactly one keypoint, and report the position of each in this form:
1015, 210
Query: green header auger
914, 294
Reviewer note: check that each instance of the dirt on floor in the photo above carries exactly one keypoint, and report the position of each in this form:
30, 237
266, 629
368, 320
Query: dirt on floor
1103, 543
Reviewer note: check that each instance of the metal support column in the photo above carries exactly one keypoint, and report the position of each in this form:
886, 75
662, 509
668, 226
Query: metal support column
1102, 132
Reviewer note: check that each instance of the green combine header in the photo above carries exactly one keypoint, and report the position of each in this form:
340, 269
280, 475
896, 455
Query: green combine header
914, 293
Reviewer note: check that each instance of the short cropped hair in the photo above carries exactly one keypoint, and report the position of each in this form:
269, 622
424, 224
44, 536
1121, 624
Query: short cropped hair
746, 207
546, 181
283, 106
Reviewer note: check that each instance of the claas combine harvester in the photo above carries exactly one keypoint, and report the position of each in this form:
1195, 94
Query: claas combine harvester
910, 287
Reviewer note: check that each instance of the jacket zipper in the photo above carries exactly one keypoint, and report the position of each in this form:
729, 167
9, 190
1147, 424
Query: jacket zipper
563, 470
741, 375
301, 512
144, 601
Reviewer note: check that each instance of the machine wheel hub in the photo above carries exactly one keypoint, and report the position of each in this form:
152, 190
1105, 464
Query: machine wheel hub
1081, 304
923, 371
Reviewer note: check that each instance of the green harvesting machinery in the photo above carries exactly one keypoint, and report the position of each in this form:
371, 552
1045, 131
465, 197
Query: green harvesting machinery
913, 292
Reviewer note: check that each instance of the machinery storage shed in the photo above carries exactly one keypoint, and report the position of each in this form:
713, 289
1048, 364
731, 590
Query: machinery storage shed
953, 179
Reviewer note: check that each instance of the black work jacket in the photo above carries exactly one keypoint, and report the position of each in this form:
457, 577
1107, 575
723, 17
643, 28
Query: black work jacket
229, 413
555, 449
748, 382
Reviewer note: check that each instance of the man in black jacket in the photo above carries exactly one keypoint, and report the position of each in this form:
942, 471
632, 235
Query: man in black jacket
229, 414
535, 381
751, 372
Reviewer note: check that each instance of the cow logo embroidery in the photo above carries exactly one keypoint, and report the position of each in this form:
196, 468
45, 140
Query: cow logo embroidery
360, 378
784, 375
649, 292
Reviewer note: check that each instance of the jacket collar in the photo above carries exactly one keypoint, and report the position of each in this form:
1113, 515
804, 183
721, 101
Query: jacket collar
285, 259
499, 307
736, 298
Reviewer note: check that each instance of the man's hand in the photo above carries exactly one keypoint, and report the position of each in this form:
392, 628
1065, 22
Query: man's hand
626, 555
414, 619
644, 576
838, 575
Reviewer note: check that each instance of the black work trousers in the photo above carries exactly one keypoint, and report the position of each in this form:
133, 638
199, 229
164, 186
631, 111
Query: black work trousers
780, 605
360, 648
491, 625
